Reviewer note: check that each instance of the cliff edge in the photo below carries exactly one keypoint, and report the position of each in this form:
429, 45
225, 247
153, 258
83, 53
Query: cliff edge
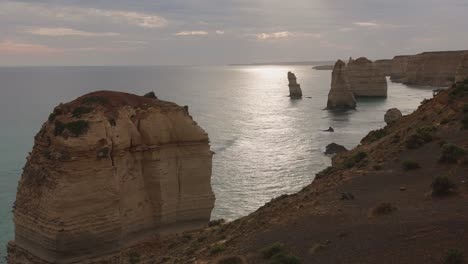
107, 171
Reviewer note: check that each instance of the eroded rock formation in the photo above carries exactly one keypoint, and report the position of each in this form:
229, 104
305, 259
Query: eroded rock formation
294, 88
428, 68
334, 148
392, 115
462, 69
108, 170
384, 66
340, 95
365, 78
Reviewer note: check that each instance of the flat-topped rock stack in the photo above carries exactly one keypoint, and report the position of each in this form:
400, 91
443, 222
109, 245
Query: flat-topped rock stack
340, 95
295, 90
108, 170
365, 78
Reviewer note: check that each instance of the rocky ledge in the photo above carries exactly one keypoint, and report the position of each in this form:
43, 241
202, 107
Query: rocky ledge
107, 171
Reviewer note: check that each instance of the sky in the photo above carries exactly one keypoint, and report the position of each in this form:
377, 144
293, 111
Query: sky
218, 32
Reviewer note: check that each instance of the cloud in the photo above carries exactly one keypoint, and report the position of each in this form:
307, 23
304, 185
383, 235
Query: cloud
366, 24
62, 32
12, 47
192, 33
285, 34
75, 13
219, 32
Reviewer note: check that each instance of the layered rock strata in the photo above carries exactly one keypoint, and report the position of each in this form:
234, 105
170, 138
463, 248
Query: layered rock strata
108, 170
365, 78
295, 90
340, 95
384, 66
428, 68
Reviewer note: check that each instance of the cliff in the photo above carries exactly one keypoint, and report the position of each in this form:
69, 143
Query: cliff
340, 95
107, 171
380, 202
428, 68
365, 78
295, 90
462, 69
384, 66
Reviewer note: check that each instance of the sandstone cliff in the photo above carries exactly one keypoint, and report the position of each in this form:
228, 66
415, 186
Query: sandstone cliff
295, 90
428, 68
340, 95
365, 78
384, 66
462, 69
108, 170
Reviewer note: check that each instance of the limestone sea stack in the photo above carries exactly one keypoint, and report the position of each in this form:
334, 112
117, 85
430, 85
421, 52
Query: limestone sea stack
365, 78
295, 91
340, 95
108, 170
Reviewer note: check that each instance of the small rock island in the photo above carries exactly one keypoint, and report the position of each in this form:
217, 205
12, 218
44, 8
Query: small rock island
295, 91
107, 170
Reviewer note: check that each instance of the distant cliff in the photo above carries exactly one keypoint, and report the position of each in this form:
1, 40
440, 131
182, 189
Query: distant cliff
107, 170
429, 68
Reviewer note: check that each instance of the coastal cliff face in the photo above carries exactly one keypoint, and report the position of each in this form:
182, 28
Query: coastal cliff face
365, 78
462, 69
340, 95
384, 66
428, 68
108, 170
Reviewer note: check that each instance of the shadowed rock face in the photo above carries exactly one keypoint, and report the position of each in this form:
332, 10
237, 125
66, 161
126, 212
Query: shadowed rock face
462, 69
295, 90
340, 95
365, 78
428, 68
106, 171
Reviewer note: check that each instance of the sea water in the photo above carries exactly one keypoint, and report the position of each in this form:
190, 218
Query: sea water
266, 144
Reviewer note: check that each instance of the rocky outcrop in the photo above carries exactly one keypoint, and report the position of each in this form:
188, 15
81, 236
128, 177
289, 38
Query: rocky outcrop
384, 66
365, 78
340, 95
428, 68
334, 148
392, 115
294, 88
462, 69
108, 170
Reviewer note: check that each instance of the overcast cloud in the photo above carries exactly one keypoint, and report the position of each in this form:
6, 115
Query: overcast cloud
188, 32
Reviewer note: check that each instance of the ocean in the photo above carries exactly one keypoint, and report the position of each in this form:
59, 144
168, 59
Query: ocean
266, 144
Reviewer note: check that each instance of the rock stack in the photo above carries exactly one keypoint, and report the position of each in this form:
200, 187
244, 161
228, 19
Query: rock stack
295, 91
365, 78
340, 95
107, 170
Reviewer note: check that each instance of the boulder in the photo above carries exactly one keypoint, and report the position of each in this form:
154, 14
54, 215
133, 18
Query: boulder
295, 91
384, 67
129, 167
340, 95
334, 148
392, 115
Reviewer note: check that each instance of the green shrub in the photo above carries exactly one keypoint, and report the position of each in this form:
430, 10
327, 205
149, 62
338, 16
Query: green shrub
284, 258
81, 110
375, 135
216, 222
94, 100
425, 133
231, 260
324, 172
355, 159
441, 185
453, 256
273, 249
451, 153
422, 136
217, 249
410, 165
459, 90
77, 128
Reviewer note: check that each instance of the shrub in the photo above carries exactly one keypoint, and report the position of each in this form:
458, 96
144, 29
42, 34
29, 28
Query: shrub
278, 254
355, 159
425, 133
410, 165
375, 135
273, 249
94, 100
453, 256
441, 185
451, 153
216, 222
77, 128
231, 260
459, 90
81, 110
134, 258
324, 172
217, 249
422, 136
283, 258
464, 121
383, 209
